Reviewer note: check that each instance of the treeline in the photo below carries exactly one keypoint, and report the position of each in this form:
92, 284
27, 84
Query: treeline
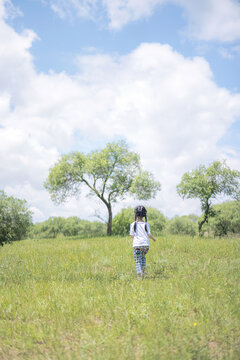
16, 222
225, 221
159, 224
72, 226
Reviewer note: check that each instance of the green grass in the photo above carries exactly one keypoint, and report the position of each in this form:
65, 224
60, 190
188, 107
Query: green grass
79, 299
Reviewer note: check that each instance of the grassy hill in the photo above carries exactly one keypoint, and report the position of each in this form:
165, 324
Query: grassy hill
79, 299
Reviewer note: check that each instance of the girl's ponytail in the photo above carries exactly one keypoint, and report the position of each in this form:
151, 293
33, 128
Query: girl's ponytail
146, 224
135, 226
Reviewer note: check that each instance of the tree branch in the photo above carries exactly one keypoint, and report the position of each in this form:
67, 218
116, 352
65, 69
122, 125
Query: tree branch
110, 194
96, 192
91, 187
108, 176
94, 181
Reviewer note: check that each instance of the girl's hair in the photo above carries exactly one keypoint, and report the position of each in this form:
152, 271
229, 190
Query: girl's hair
140, 211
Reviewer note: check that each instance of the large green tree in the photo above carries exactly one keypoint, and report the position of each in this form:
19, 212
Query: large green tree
110, 174
15, 218
207, 183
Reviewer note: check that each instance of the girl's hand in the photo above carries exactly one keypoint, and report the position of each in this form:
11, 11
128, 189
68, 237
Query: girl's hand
150, 235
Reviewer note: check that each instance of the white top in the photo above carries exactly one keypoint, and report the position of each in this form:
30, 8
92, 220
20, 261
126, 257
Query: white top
140, 237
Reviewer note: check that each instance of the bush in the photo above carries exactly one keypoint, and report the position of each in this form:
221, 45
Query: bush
226, 219
184, 225
122, 221
15, 218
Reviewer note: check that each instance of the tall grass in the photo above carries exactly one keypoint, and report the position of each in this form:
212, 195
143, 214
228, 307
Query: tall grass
79, 299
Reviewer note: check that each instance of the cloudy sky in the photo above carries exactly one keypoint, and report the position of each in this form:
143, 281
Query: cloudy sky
75, 74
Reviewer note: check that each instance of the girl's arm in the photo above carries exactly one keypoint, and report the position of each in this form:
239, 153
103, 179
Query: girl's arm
151, 237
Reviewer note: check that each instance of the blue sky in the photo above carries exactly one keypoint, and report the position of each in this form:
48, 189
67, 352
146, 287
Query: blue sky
61, 39
76, 75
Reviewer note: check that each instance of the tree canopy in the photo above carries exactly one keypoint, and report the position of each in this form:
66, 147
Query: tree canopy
207, 183
15, 218
110, 174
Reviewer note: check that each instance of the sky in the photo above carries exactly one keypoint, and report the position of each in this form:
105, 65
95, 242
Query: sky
163, 75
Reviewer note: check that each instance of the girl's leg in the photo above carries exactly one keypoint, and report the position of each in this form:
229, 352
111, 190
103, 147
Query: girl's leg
137, 259
143, 261
143, 264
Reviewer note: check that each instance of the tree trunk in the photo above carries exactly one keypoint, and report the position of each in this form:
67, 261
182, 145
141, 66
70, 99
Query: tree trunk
200, 225
205, 219
109, 207
109, 226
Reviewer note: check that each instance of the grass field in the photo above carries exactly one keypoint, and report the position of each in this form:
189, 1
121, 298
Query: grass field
79, 299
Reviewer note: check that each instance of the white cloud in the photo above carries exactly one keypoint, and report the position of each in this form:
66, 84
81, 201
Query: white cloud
121, 12
225, 53
70, 8
8, 10
230, 52
213, 19
207, 19
168, 107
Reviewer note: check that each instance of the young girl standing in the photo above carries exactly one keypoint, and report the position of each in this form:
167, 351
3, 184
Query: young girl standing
140, 233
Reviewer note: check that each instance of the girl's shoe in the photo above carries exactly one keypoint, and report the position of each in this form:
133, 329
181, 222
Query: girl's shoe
140, 276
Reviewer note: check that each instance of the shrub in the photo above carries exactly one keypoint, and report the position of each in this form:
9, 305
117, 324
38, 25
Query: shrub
226, 219
122, 221
183, 225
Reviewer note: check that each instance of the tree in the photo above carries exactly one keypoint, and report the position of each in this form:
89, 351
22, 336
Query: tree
206, 183
15, 218
122, 221
110, 174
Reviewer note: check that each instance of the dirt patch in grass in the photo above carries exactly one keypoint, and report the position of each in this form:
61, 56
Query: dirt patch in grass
215, 350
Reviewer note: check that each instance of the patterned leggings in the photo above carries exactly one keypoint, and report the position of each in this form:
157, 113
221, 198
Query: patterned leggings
140, 258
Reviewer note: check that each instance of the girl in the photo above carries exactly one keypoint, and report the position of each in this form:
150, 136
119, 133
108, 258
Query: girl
140, 233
